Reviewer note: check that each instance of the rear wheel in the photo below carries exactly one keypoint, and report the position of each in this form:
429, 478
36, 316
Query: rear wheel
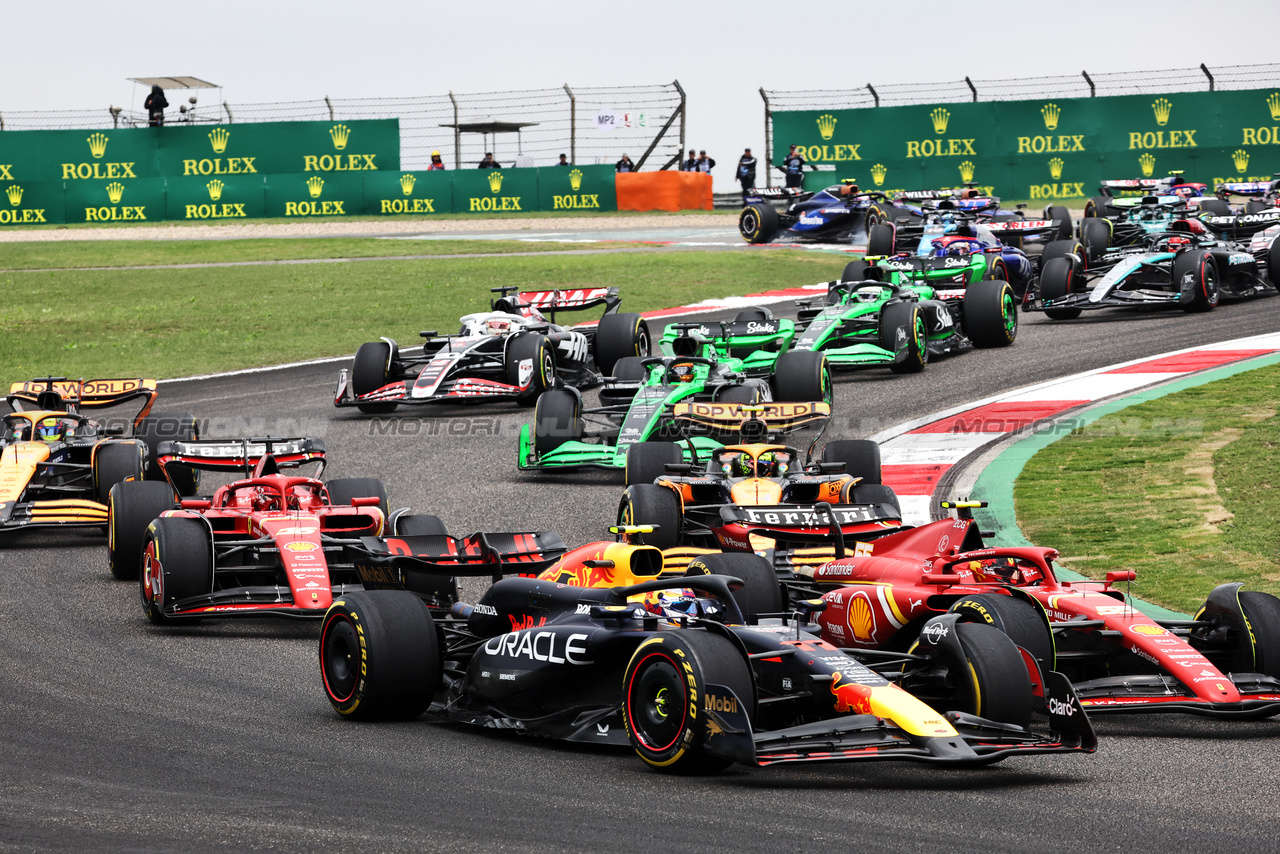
1098, 206
880, 239
1199, 271
343, 489
990, 314
419, 525
177, 563
531, 359
1063, 216
754, 313
131, 507
370, 371
1095, 236
618, 337
758, 223
861, 458
904, 322
1253, 206
379, 655
739, 393
647, 461
802, 375
988, 679
557, 418
855, 271
162, 427
761, 592
116, 462
1216, 207
1055, 283
650, 504
665, 692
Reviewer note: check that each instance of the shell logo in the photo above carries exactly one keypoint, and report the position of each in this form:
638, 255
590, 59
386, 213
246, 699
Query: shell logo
1150, 631
301, 547
861, 620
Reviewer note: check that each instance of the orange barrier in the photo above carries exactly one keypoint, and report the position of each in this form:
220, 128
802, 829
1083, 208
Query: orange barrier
663, 191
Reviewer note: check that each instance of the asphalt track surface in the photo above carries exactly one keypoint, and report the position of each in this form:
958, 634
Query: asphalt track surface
118, 735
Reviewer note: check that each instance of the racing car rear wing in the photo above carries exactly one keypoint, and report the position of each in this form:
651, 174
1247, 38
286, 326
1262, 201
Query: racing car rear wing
1024, 226
1108, 188
229, 455
59, 393
1242, 225
754, 421
1244, 188
418, 562
574, 299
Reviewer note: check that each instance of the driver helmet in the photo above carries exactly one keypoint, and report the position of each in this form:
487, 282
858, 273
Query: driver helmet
741, 466
1176, 244
50, 430
770, 464
497, 326
682, 372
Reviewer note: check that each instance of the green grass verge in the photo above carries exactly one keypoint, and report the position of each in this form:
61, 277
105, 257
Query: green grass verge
1181, 488
169, 323
144, 253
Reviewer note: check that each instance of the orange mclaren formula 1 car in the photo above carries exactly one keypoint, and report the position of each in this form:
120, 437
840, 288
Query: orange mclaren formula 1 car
612, 644
57, 465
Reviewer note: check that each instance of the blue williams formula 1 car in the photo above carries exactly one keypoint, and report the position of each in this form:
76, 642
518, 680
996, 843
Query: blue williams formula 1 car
837, 214
512, 352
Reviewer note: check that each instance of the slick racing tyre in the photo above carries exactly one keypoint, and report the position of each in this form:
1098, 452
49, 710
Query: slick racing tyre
802, 376
1017, 618
647, 461
861, 458
666, 690
618, 337
761, 592
905, 321
379, 655
177, 563
1253, 206
880, 239
1095, 236
1059, 248
131, 507
557, 418
855, 271
1063, 216
1216, 207
371, 370
343, 489
116, 462
989, 679
161, 427
1196, 272
650, 504
1055, 283
530, 357
1098, 206
758, 223
1262, 610
1273, 263
419, 525
990, 314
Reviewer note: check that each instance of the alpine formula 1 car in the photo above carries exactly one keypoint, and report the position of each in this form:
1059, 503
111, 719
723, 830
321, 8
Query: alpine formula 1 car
1224, 662
57, 466
512, 352
638, 400
1258, 195
836, 214
1185, 266
603, 648
267, 544
899, 312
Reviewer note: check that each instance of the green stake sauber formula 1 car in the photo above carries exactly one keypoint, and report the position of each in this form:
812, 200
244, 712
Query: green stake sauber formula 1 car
899, 312
743, 362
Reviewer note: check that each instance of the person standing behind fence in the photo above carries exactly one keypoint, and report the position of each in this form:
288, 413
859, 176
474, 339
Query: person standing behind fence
488, 162
436, 163
705, 163
624, 165
155, 106
564, 161
690, 165
793, 166
746, 173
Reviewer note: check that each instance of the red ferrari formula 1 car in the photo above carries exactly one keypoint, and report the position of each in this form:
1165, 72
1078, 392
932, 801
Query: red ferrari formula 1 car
1225, 662
268, 544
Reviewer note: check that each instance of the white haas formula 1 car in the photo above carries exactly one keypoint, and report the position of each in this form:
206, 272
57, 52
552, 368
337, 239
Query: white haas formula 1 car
512, 352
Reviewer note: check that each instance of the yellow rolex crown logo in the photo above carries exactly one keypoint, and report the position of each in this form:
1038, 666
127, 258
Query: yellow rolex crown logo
1162, 107
940, 118
1148, 164
1273, 104
827, 125
1241, 158
495, 181
1050, 113
98, 144
1055, 168
407, 180
218, 137
314, 185
966, 171
340, 133
115, 192
575, 180
878, 172
215, 189
14, 192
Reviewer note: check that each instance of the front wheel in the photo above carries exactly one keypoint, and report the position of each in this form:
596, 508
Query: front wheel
370, 371
986, 677
666, 691
1196, 272
530, 363
651, 504
1056, 280
557, 418
902, 327
177, 563
990, 314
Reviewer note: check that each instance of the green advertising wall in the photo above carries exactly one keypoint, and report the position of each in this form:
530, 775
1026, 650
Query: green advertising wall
1045, 149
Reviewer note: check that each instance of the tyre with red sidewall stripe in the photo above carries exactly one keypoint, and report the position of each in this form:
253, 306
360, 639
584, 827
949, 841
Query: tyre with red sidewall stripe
1196, 275
177, 563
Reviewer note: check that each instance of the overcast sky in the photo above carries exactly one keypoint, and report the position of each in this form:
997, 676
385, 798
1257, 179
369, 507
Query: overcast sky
75, 54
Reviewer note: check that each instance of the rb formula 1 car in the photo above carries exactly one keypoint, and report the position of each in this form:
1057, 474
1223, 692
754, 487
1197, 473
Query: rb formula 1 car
603, 648
1225, 662
1258, 195
638, 400
57, 466
836, 214
512, 352
269, 544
